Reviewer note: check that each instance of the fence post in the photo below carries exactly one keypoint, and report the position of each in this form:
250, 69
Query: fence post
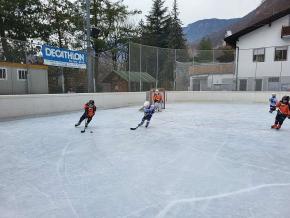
157, 68
62, 80
140, 68
281, 75
28, 76
174, 71
89, 49
255, 79
129, 68
237, 67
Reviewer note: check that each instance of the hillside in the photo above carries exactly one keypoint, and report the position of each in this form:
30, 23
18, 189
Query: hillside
266, 9
196, 31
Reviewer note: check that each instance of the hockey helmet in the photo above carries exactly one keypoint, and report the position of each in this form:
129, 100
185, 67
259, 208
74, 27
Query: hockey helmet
285, 99
146, 104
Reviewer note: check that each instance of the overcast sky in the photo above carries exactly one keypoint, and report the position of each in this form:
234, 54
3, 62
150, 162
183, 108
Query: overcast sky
193, 10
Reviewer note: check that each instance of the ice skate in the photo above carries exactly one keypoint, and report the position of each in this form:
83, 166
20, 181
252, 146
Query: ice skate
274, 126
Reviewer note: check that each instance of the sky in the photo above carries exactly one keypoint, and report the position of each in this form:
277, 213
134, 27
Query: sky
194, 10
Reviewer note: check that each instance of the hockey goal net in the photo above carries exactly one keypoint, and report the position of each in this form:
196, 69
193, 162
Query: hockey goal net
162, 92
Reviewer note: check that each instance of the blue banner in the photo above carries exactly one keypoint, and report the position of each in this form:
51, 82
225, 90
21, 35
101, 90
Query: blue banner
63, 57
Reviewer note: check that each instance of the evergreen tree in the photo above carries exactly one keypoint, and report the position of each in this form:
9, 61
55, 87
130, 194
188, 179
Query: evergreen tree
205, 44
205, 52
156, 26
176, 38
227, 54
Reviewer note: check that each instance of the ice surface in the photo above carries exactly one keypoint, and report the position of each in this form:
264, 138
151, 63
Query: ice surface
195, 160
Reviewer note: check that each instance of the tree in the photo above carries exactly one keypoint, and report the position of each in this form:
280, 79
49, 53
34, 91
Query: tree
111, 19
227, 55
205, 52
62, 17
156, 27
176, 38
20, 20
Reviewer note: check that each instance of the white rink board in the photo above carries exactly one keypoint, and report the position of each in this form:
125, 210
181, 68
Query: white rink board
26, 105
204, 160
211, 96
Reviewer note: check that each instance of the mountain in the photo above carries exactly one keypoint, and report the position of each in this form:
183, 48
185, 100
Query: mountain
196, 31
264, 10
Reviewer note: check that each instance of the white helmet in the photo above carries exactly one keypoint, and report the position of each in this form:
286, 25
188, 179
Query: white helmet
273, 94
156, 90
146, 104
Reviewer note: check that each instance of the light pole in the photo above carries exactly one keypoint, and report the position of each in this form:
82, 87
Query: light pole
89, 49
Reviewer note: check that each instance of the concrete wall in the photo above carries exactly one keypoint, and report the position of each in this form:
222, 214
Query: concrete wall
25, 105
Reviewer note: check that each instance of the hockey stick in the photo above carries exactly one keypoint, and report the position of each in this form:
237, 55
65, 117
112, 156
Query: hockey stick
135, 128
141, 124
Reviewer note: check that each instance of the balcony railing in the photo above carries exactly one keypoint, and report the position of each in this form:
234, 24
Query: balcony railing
285, 33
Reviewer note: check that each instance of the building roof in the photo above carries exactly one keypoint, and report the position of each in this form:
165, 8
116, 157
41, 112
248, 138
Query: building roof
18, 65
134, 76
232, 40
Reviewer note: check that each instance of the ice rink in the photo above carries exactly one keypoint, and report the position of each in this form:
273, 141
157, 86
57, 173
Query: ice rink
195, 160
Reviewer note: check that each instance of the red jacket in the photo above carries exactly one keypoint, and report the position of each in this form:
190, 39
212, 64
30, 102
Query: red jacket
157, 98
283, 108
90, 111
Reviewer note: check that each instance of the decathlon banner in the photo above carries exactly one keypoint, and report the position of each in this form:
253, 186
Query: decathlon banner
63, 57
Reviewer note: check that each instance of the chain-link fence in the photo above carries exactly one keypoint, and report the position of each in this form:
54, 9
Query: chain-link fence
252, 69
209, 70
159, 64
135, 67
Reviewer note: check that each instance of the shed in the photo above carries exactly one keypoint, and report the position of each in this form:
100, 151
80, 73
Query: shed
119, 81
16, 78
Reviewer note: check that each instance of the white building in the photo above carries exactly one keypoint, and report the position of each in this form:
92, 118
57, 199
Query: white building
262, 54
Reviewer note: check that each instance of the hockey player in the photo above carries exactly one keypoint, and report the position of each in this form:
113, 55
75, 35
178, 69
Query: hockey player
148, 113
282, 113
89, 113
273, 102
157, 99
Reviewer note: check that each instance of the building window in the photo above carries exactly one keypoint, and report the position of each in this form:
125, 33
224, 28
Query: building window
22, 74
281, 53
3, 74
259, 55
258, 84
243, 85
274, 80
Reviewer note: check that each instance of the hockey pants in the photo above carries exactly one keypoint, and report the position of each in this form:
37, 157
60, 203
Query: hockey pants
280, 118
83, 117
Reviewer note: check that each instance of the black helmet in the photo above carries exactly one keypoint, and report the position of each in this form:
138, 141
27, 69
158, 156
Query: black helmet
285, 99
91, 102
